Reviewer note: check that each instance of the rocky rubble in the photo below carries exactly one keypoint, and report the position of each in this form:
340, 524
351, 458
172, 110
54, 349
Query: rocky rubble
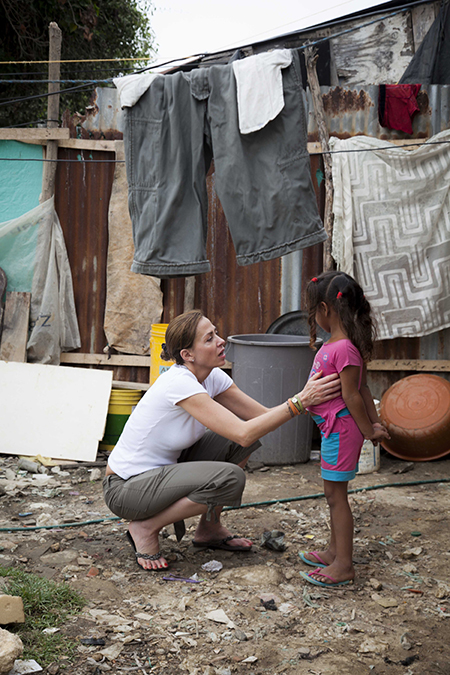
256, 615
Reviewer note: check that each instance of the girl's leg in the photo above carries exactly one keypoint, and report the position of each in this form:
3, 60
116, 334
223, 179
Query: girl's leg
341, 568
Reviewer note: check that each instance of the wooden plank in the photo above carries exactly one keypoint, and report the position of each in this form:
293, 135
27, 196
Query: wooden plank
120, 384
16, 319
315, 147
3, 284
54, 74
423, 365
51, 411
105, 360
311, 56
88, 144
34, 136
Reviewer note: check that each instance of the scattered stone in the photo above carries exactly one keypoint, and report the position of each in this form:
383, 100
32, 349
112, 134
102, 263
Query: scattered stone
406, 642
376, 585
212, 566
53, 669
409, 568
273, 540
46, 519
96, 474
385, 602
442, 591
303, 652
29, 465
84, 561
93, 572
254, 575
286, 608
60, 557
111, 652
252, 465
408, 466
240, 635
412, 552
219, 616
11, 609
11, 648
369, 645
24, 667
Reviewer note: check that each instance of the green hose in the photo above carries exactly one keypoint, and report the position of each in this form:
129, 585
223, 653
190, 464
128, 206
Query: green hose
230, 508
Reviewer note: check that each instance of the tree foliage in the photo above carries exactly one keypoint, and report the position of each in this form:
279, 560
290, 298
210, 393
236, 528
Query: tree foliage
99, 29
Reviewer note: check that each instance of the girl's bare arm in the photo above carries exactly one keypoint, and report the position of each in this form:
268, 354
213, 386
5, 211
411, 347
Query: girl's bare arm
356, 405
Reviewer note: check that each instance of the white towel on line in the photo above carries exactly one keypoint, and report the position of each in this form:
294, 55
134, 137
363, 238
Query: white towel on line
131, 87
260, 88
259, 83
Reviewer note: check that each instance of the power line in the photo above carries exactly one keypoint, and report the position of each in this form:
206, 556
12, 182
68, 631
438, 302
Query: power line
122, 161
49, 93
22, 81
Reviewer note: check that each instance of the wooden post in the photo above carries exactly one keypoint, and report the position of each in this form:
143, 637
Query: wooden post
54, 72
189, 293
310, 60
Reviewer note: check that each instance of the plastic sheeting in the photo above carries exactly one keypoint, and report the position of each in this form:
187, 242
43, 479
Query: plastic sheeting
133, 301
392, 230
34, 257
431, 63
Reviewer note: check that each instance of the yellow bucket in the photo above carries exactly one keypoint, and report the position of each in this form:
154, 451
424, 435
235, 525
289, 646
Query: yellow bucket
121, 404
157, 365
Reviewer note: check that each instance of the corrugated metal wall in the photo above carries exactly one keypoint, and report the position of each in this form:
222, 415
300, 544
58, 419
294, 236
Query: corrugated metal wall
82, 193
237, 299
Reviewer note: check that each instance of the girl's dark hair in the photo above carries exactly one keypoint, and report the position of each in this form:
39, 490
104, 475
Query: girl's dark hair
180, 334
343, 294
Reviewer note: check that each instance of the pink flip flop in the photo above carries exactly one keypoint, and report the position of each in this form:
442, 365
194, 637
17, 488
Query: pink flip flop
319, 562
323, 584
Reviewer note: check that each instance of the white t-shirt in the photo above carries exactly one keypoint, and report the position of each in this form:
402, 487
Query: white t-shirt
158, 430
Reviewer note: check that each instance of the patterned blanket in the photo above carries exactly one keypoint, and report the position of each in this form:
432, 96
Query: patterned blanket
392, 229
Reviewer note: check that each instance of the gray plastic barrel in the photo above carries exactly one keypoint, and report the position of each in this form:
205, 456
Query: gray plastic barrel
270, 369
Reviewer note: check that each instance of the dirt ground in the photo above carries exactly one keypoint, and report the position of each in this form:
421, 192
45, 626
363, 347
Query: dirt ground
394, 620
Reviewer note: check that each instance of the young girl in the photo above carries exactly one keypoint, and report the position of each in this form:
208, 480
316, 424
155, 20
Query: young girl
337, 304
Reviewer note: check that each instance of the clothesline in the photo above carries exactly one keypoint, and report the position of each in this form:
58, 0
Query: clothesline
195, 56
122, 161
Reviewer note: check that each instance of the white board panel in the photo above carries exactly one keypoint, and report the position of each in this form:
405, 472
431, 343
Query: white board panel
54, 411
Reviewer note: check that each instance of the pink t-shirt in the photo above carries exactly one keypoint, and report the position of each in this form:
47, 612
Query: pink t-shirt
333, 357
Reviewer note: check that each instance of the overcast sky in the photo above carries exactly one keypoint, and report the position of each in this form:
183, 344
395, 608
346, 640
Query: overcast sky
186, 27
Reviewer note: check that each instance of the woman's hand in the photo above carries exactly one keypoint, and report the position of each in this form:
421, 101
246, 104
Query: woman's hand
319, 389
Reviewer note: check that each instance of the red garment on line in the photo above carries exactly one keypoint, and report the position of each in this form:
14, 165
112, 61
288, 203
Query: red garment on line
397, 105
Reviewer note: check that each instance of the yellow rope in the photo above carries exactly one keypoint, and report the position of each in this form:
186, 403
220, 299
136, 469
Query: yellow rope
137, 58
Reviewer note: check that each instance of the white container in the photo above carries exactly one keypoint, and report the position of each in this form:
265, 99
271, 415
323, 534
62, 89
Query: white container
369, 460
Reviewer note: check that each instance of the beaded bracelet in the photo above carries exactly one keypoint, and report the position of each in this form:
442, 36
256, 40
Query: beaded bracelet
292, 408
299, 405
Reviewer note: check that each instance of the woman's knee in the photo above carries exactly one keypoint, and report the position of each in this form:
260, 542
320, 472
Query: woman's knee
232, 479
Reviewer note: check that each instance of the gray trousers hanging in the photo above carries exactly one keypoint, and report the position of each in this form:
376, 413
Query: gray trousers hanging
263, 179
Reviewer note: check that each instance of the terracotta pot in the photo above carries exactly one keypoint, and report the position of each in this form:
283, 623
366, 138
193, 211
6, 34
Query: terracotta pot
416, 412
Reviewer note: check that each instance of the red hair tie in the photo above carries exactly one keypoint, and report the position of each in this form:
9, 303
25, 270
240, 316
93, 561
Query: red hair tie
314, 279
339, 295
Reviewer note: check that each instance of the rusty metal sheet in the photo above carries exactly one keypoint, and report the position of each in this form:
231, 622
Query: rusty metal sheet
237, 299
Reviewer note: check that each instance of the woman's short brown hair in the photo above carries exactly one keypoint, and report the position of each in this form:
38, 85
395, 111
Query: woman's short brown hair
180, 334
